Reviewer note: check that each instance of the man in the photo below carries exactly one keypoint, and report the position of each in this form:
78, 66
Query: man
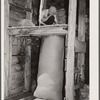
49, 16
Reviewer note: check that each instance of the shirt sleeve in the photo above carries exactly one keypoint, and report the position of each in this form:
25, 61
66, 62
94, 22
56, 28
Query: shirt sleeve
50, 20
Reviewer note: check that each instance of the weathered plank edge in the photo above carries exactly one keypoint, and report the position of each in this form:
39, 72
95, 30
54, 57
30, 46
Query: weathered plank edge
6, 49
70, 55
39, 27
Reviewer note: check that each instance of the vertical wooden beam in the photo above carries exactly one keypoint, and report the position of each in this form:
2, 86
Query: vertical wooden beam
70, 54
27, 70
81, 35
10, 62
6, 49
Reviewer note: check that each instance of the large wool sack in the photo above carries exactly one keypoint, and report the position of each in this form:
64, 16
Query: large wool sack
50, 72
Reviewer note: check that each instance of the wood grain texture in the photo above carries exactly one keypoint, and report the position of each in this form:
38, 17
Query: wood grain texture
38, 31
16, 83
10, 61
16, 50
17, 75
16, 15
81, 35
27, 69
16, 90
70, 54
6, 49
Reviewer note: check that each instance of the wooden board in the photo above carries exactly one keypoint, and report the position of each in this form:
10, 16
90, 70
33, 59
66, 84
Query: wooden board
16, 83
81, 35
70, 53
16, 68
16, 15
17, 75
38, 31
6, 49
16, 50
27, 69
16, 90
21, 3
19, 96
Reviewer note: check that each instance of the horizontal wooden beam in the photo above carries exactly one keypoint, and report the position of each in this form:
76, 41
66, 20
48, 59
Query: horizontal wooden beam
38, 30
80, 46
39, 27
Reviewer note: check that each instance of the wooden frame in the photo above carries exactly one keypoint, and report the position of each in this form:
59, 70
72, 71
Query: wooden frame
70, 52
74, 45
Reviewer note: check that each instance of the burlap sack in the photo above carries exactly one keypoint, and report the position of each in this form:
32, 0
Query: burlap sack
50, 72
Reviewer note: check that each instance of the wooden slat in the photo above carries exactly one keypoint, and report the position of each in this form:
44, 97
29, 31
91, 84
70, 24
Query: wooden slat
16, 90
39, 27
19, 96
81, 34
6, 49
27, 69
80, 47
15, 60
23, 8
16, 83
38, 32
16, 68
16, 50
70, 54
17, 75
10, 60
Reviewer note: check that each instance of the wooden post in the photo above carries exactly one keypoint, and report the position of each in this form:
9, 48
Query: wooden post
27, 70
81, 35
10, 62
70, 52
6, 49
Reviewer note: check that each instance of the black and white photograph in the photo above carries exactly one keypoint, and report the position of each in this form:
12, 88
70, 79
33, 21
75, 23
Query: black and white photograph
46, 50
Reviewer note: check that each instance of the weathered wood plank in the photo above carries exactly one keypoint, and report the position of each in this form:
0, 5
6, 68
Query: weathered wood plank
17, 75
16, 68
16, 15
27, 69
10, 60
21, 7
39, 27
15, 60
80, 47
16, 50
16, 83
43, 31
81, 35
19, 96
70, 55
16, 90
6, 49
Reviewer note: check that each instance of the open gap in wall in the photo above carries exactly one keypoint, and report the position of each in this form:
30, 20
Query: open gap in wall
61, 6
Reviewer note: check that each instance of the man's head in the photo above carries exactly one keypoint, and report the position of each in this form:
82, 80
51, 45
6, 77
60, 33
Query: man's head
52, 10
